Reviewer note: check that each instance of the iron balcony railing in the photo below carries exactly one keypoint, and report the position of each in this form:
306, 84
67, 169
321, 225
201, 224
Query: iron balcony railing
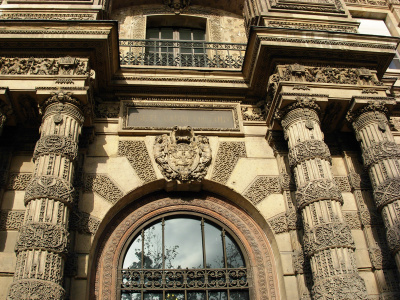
171, 53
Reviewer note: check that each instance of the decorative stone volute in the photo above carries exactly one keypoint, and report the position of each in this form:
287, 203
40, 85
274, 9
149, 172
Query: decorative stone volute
181, 155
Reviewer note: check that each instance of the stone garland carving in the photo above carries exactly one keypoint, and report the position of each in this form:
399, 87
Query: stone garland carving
252, 113
348, 286
327, 235
107, 110
56, 144
52, 187
43, 66
380, 151
312, 26
43, 236
317, 190
387, 192
352, 219
46, 16
182, 156
18, 181
35, 289
83, 223
307, 150
262, 187
11, 219
103, 186
227, 157
138, 156
342, 183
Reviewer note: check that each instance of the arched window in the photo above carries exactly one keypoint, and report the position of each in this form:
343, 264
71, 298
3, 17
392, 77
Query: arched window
183, 257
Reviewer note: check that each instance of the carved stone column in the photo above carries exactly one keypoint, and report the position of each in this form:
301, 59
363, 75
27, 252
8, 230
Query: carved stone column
381, 158
328, 242
43, 239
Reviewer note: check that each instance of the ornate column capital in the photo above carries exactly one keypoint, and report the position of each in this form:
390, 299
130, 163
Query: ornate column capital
368, 105
60, 97
300, 103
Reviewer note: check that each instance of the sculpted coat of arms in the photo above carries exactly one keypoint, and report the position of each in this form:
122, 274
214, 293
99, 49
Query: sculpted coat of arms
181, 155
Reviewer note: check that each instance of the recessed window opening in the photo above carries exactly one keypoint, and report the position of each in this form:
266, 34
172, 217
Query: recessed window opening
183, 258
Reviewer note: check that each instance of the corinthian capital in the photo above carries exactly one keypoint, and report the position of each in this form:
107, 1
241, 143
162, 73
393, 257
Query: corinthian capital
370, 106
60, 97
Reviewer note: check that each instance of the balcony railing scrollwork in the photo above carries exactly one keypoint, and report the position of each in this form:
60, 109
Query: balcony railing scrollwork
171, 53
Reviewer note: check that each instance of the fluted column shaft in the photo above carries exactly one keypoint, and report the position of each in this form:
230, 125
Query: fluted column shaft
381, 157
43, 239
328, 242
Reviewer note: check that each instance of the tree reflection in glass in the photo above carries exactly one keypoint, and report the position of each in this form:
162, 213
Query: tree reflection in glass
174, 255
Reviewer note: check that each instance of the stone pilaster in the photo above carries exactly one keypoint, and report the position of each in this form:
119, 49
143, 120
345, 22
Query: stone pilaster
42, 245
381, 157
328, 242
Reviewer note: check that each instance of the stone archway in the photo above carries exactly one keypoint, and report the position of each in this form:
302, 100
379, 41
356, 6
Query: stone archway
263, 278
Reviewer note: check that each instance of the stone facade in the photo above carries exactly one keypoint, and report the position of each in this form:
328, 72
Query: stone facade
281, 126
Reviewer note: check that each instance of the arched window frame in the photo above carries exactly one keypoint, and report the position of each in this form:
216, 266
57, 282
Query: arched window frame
226, 270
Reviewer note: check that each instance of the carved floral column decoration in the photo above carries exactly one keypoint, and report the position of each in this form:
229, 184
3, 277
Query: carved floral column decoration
381, 157
328, 242
43, 239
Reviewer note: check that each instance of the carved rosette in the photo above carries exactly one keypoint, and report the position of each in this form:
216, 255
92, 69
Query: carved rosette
317, 190
43, 236
182, 156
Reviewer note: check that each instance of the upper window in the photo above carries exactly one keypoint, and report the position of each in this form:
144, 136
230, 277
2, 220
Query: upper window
378, 27
183, 258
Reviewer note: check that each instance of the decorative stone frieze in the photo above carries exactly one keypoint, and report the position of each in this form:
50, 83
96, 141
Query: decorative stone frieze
84, 223
107, 110
262, 187
138, 156
308, 150
278, 223
43, 236
182, 156
43, 66
60, 108
52, 187
342, 182
379, 151
55, 144
18, 181
104, 186
250, 113
326, 236
317, 190
227, 157
393, 237
387, 192
352, 219
11, 219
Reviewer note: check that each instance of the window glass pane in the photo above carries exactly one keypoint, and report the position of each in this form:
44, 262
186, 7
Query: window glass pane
372, 26
153, 247
239, 295
167, 33
152, 296
218, 296
152, 33
183, 244
234, 258
196, 296
133, 257
130, 296
185, 34
214, 250
199, 35
395, 64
